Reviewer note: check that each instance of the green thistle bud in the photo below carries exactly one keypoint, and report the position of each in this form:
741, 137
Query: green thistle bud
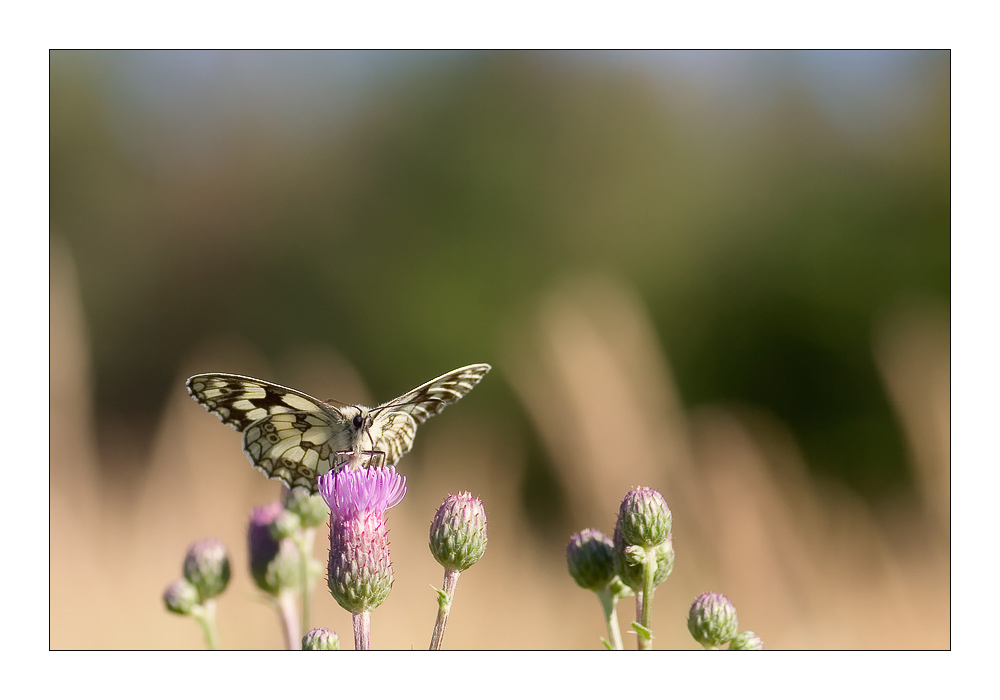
311, 508
286, 525
644, 517
274, 564
746, 641
206, 566
320, 639
458, 532
629, 567
181, 597
590, 558
712, 620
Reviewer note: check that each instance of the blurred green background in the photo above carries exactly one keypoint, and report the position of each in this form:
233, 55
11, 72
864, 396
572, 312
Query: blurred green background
409, 208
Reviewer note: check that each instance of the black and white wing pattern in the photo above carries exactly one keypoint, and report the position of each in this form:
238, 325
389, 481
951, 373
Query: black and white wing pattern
394, 423
287, 435
293, 437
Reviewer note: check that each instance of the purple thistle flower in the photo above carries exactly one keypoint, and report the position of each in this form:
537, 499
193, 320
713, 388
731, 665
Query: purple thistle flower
359, 573
274, 563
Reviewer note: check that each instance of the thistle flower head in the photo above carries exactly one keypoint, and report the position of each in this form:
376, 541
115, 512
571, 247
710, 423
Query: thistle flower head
712, 620
181, 597
644, 517
321, 639
274, 562
590, 558
206, 566
746, 641
458, 532
359, 571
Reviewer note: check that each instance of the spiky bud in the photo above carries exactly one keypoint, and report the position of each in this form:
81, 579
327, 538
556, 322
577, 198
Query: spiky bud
712, 620
644, 517
320, 639
181, 597
746, 641
590, 558
458, 532
206, 566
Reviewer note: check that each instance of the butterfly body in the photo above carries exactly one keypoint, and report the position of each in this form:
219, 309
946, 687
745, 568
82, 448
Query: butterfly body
293, 437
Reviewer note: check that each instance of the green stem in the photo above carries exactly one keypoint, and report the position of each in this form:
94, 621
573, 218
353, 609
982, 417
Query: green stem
648, 575
362, 631
445, 596
608, 605
304, 545
206, 619
285, 604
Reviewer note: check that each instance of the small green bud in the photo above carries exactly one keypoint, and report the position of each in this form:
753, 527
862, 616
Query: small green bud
746, 641
274, 564
206, 566
321, 639
712, 620
311, 508
458, 532
181, 597
644, 517
590, 558
628, 560
286, 525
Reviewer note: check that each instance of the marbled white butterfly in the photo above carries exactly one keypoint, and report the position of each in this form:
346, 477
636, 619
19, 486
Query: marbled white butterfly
292, 437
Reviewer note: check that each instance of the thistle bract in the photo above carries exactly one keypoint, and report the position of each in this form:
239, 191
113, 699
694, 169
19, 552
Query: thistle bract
320, 639
712, 620
590, 558
206, 566
359, 570
644, 517
458, 532
274, 563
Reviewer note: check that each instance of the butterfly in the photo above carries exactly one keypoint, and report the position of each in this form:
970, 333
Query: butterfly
292, 437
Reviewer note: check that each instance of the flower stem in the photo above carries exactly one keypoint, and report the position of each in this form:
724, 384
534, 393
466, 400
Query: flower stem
362, 631
608, 602
445, 596
206, 619
289, 620
648, 575
304, 543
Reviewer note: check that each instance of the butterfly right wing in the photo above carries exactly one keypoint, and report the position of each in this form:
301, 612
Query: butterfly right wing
395, 423
287, 435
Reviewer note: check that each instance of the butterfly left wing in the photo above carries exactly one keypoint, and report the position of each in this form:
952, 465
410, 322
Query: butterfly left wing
395, 423
287, 435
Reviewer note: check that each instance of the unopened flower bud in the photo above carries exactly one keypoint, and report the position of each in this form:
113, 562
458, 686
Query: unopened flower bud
590, 558
746, 641
644, 517
320, 639
628, 560
287, 524
712, 620
206, 566
274, 564
458, 532
311, 508
181, 597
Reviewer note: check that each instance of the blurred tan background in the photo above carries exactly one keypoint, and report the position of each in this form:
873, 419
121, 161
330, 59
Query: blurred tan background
724, 275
